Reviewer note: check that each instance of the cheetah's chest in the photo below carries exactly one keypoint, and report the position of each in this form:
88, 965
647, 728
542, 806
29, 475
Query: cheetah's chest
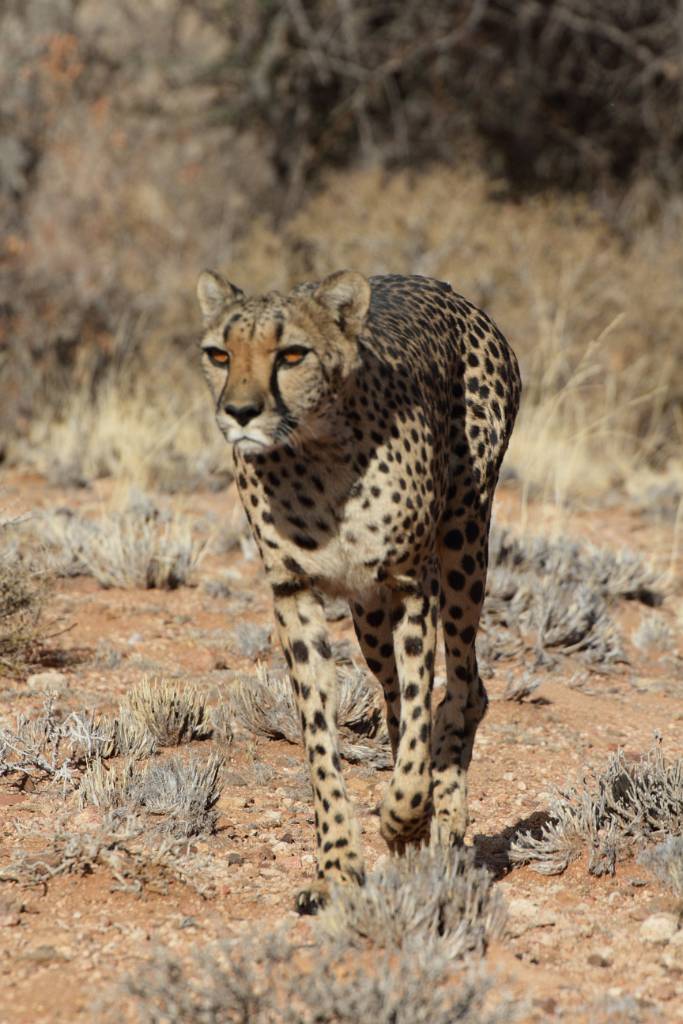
347, 531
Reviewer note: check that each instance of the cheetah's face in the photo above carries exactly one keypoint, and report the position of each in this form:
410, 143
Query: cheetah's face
276, 365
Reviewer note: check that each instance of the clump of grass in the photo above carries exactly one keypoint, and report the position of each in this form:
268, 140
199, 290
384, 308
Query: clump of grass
520, 688
132, 738
666, 860
265, 705
23, 592
262, 981
629, 802
654, 633
184, 793
429, 899
141, 546
170, 714
221, 725
551, 598
612, 574
49, 747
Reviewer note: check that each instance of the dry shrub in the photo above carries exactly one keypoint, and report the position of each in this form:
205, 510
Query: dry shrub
52, 747
553, 596
654, 633
433, 900
666, 860
520, 688
183, 793
629, 802
140, 546
265, 705
567, 92
23, 592
170, 714
119, 846
264, 981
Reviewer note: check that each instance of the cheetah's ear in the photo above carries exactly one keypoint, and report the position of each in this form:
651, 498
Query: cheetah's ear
214, 293
346, 295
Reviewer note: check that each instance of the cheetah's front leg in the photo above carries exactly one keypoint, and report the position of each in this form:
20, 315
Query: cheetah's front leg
406, 806
303, 635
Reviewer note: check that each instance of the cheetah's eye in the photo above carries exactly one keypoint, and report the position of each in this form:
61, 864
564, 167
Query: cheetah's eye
292, 356
217, 356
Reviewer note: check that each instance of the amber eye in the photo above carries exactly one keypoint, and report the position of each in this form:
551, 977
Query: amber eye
292, 356
217, 356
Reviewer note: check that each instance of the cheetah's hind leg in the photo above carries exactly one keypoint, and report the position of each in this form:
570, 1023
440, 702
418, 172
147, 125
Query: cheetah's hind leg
463, 575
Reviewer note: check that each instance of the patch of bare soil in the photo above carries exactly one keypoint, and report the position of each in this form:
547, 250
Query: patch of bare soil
574, 947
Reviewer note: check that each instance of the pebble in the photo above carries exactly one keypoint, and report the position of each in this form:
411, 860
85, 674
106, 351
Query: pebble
43, 955
235, 858
659, 928
599, 960
49, 680
9, 920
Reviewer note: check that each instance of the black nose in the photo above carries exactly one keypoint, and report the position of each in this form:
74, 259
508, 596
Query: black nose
243, 413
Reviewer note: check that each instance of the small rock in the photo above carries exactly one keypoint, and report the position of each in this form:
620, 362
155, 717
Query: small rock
43, 955
235, 858
659, 928
9, 920
50, 680
287, 838
599, 960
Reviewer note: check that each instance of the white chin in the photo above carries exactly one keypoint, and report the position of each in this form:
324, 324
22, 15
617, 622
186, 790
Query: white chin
249, 444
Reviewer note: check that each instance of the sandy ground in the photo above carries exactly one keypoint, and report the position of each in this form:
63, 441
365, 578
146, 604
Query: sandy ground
573, 950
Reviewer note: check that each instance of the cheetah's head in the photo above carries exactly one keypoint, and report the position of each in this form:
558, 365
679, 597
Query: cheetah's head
276, 365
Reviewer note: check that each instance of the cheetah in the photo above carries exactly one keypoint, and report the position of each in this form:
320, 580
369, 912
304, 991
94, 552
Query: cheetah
369, 419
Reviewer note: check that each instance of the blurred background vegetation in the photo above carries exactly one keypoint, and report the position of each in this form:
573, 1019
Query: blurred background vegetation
528, 151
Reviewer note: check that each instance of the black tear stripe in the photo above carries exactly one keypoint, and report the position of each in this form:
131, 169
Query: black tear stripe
275, 392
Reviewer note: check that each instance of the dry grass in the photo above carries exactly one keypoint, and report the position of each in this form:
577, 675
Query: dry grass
666, 860
432, 900
182, 793
593, 320
148, 434
264, 704
121, 845
551, 598
53, 747
265, 980
170, 714
142, 545
23, 591
629, 802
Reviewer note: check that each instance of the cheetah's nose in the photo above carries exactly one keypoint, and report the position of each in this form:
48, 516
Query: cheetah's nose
243, 413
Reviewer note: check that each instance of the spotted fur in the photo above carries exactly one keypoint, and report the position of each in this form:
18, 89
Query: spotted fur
369, 421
